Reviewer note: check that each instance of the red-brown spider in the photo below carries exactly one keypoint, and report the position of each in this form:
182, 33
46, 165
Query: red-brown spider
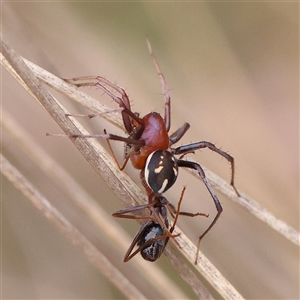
150, 147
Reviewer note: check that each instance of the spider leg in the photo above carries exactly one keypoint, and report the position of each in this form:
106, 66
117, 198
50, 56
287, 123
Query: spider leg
164, 87
126, 158
101, 83
195, 146
124, 102
179, 133
197, 167
107, 136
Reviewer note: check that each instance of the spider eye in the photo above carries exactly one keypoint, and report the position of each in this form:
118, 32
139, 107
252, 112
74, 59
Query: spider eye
161, 171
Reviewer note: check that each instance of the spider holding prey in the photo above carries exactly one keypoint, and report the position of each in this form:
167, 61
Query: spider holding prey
150, 147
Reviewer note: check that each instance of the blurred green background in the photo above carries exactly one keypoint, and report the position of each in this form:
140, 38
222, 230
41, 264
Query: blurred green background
233, 73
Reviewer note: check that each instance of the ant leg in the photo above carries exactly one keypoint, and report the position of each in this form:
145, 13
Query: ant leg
179, 133
178, 209
188, 214
204, 144
154, 217
153, 202
136, 239
175, 213
172, 210
197, 167
123, 213
164, 87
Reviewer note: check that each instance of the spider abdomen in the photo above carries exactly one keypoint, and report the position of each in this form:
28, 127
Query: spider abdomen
161, 171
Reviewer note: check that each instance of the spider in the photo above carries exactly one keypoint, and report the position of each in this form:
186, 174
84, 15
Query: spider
154, 235
149, 145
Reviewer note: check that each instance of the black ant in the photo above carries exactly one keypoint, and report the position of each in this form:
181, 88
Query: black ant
150, 145
154, 235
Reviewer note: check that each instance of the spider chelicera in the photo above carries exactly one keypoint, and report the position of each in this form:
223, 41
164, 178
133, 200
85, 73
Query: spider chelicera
149, 145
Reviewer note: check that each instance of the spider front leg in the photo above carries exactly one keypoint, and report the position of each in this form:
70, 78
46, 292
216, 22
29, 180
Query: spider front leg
164, 87
195, 146
123, 101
